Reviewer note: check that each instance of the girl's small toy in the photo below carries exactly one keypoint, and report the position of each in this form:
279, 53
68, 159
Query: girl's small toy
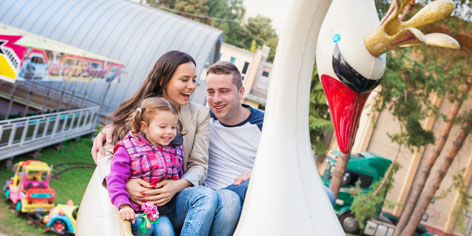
149, 217
29, 188
62, 218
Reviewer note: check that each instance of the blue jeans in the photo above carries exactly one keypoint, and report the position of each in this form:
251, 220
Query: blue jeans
240, 190
227, 213
194, 211
163, 227
228, 210
330, 195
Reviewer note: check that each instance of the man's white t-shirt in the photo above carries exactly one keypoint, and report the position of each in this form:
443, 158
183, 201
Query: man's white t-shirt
232, 148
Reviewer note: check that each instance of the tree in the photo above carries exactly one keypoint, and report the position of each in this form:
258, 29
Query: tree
427, 165
192, 9
450, 71
441, 76
227, 16
320, 124
260, 30
430, 190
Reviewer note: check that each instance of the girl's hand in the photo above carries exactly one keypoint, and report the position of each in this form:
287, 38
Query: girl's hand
127, 213
165, 190
243, 177
105, 134
137, 190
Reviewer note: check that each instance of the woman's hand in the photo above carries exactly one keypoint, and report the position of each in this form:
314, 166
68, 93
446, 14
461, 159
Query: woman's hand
165, 190
243, 177
105, 134
137, 190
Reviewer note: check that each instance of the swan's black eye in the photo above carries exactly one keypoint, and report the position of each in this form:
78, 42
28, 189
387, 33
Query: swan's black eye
349, 76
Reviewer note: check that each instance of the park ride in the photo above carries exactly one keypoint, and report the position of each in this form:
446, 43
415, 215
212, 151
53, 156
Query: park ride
29, 188
30, 195
62, 218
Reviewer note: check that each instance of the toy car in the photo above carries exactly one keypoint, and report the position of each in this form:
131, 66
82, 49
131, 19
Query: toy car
29, 188
62, 218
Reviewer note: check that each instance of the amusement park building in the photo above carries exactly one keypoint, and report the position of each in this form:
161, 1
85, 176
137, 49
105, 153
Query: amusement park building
133, 34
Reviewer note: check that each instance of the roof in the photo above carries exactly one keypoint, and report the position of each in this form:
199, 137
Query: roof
35, 41
131, 33
35, 165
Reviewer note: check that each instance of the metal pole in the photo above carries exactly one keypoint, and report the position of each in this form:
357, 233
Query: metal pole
47, 98
84, 96
101, 104
11, 100
29, 97
62, 95
72, 95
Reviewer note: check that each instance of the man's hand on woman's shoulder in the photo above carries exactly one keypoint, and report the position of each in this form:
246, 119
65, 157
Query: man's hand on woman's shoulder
106, 134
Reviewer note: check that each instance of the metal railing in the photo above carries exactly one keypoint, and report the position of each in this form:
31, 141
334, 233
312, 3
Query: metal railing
26, 134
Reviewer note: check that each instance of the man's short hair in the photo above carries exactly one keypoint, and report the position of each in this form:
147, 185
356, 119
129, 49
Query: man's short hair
227, 68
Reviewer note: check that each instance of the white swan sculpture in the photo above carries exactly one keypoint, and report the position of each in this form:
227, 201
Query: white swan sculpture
285, 195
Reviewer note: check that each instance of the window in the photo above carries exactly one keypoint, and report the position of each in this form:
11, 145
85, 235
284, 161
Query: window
265, 74
350, 178
246, 65
232, 60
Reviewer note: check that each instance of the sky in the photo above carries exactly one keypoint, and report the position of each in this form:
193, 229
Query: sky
274, 9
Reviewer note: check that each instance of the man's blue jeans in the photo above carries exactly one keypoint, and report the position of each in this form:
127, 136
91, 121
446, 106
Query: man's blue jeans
194, 211
230, 202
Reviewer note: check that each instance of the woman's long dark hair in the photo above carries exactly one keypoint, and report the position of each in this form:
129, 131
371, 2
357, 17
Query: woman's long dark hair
153, 86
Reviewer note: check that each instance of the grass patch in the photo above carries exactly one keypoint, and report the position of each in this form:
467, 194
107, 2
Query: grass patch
69, 185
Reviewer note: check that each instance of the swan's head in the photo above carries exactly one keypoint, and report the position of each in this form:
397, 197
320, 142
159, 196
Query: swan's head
341, 51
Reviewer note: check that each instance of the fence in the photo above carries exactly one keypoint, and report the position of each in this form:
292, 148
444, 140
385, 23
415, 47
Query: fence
27, 134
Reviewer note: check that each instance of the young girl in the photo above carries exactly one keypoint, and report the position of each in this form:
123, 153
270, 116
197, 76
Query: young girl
149, 152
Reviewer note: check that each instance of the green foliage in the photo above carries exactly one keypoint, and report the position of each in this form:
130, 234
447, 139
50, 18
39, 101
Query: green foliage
260, 30
367, 204
319, 118
192, 9
411, 79
253, 46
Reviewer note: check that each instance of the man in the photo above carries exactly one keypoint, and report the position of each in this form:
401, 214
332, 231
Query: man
235, 131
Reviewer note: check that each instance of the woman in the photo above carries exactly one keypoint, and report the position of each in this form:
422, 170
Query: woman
172, 77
